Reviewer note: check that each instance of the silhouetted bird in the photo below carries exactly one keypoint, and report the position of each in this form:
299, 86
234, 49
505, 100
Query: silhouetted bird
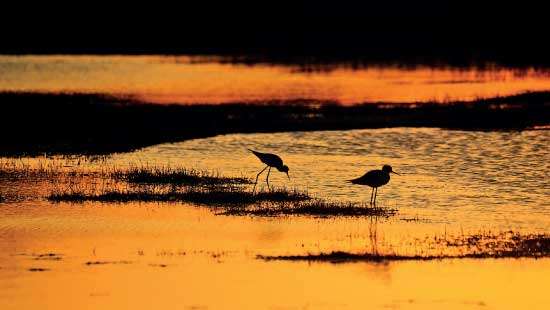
375, 179
272, 161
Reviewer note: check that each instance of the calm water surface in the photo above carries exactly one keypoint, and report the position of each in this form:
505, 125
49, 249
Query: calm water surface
187, 256
187, 79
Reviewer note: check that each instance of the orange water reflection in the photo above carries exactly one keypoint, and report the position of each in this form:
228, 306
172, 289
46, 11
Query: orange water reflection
186, 257
166, 79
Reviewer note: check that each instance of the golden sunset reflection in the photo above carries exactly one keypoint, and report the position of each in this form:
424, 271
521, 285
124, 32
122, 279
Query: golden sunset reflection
157, 255
184, 79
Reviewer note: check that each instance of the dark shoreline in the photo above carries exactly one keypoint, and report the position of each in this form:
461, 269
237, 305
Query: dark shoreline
94, 124
311, 62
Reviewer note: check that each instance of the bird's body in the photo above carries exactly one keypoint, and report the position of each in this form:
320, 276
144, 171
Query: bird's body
374, 179
271, 161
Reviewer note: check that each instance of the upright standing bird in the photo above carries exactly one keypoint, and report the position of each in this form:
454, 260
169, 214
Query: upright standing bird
375, 179
272, 161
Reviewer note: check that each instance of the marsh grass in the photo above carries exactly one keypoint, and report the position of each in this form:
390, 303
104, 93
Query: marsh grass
47, 168
68, 166
166, 184
315, 207
233, 200
178, 176
504, 242
216, 196
19, 168
502, 245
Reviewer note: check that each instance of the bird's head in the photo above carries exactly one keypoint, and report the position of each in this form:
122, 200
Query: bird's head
284, 168
388, 169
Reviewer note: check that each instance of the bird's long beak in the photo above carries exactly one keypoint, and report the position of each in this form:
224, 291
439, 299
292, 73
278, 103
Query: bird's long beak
288, 176
395, 173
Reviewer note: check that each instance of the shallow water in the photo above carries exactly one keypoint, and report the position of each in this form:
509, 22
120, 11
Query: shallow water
187, 79
472, 179
165, 255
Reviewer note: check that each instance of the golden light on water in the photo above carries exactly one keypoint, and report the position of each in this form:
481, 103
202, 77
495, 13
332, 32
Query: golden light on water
165, 255
187, 80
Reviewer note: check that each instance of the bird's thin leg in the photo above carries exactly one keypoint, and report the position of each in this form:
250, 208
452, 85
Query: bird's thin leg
371, 195
267, 179
375, 192
257, 178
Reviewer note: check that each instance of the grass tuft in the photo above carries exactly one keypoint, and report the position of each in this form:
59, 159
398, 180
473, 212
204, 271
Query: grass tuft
207, 196
178, 176
315, 207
